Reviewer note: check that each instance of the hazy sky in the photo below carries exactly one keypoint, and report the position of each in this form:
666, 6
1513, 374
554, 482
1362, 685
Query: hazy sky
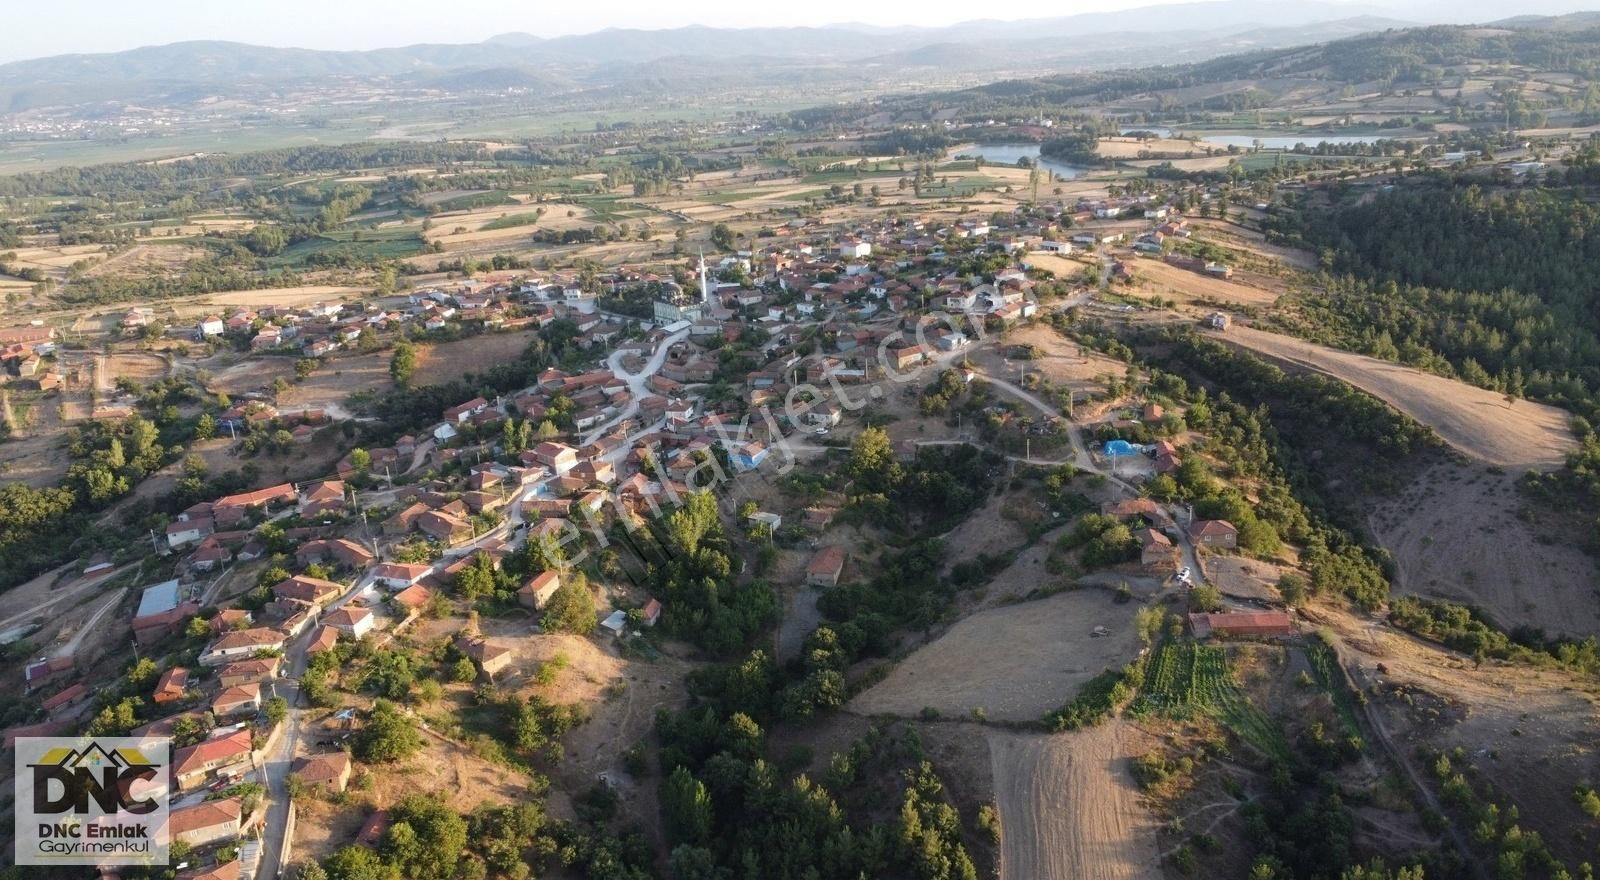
39, 28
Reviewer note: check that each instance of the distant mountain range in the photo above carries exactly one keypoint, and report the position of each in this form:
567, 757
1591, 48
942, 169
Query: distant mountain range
631, 58
685, 59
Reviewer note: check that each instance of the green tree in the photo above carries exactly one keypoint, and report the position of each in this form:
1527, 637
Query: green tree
403, 363
477, 581
355, 862
686, 806
1205, 598
572, 608
389, 735
872, 463
205, 427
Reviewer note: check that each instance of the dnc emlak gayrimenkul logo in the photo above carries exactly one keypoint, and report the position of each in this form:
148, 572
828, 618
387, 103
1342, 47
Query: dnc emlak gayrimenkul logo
101, 801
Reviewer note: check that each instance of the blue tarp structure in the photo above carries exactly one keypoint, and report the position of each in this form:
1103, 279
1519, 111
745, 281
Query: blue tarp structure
1115, 448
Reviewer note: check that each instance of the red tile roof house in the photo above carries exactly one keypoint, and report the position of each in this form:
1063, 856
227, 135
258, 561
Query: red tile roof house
490, 657
1149, 510
154, 627
191, 765
325, 639
444, 527
539, 589
324, 495
244, 699
1155, 549
405, 520
66, 699
232, 509
352, 622
331, 770
342, 551
399, 575
1269, 624
172, 686
413, 598
224, 871
316, 591
909, 356
43, 728
825, 567
463, 411
253, 671
206, 822
240, 645
210, 553
558, 457
230, 619
1213, 533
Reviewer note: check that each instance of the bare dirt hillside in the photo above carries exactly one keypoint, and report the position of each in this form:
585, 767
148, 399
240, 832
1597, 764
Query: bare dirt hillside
1069, 809
1482, 424
1456, 534
1527, 732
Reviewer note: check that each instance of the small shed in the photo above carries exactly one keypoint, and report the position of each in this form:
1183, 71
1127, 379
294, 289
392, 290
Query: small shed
616, 623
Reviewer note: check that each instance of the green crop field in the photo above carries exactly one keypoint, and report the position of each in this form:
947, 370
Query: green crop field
1326, 666
381, 244
492, 199
1184, 678
511, 221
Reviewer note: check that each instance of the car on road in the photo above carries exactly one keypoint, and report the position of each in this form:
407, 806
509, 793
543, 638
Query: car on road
1184, 573
821, 432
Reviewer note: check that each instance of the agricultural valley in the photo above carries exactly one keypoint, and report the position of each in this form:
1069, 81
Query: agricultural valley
1048, 466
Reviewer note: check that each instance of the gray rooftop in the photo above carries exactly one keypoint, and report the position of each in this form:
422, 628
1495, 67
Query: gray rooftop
157, 599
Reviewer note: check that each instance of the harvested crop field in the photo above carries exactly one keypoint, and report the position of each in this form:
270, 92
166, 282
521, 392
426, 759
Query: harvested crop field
337, 380
138, 366
1455, 534
146, 260
1133, 148
1069, 809
1016, 662
1184, 285
285, 296
441, 363
1482, 424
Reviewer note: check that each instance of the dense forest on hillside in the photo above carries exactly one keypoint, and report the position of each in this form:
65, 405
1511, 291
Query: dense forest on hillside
1414, 57
1495, 288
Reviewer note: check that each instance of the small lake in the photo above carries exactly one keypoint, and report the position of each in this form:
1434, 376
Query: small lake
1008, 154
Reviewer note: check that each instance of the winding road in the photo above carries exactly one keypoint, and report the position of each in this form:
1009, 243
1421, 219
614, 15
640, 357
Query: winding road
638, 383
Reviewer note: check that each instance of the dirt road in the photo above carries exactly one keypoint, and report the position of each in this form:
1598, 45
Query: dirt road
71, 647
1069, 809
1480, 423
